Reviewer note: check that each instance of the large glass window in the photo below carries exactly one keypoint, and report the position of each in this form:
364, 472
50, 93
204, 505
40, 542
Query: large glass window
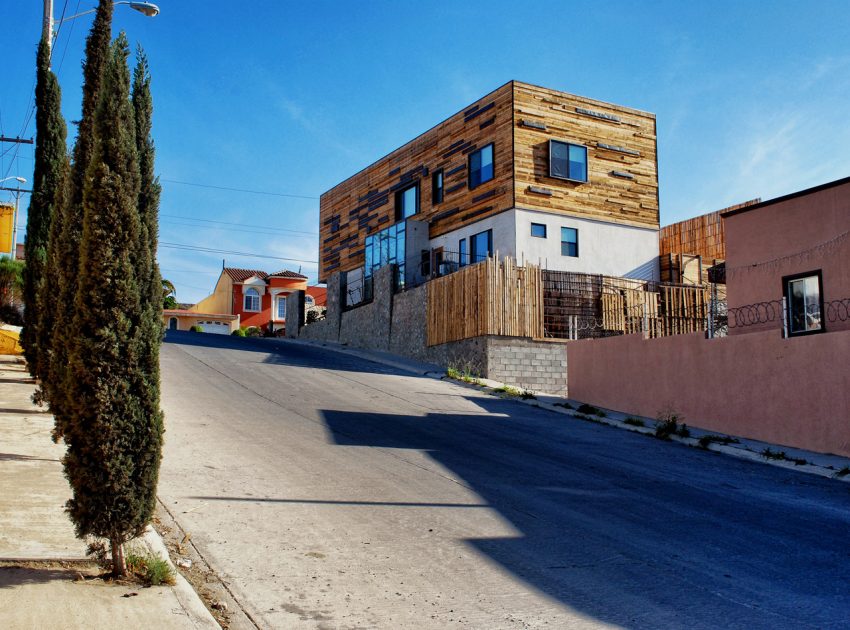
481, 166
252, 300
437, 187
463, 257
481, 245
803, 300
407, 202
567, 161
384, 248
569, 242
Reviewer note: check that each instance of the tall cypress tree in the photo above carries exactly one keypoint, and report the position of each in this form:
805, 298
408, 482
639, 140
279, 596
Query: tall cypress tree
60, 387
50, 150
114, 441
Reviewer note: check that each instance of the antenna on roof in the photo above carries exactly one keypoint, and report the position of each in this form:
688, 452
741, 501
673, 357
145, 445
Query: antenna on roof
299, 268
222, 263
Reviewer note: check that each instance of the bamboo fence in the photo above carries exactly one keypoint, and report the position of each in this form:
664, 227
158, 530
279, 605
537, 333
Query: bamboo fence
488, 298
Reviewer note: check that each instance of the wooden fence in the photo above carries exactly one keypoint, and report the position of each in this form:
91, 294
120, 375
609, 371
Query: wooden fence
488, 298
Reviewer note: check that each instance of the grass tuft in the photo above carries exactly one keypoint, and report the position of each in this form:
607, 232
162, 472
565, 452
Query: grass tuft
150, 569
705, 440
591, 410
635, 422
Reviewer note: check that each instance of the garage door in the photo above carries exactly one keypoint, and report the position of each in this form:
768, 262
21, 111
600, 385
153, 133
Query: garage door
218, 328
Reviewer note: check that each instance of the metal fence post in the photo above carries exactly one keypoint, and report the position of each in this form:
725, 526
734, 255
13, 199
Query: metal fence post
784, 318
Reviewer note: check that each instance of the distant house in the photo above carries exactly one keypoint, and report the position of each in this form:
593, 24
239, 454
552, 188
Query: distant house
316, 297
255, 297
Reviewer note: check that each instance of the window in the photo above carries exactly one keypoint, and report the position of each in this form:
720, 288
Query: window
407, 202
567, 161
309, 301
437, 187
281, 307
384, 248
538, 230
569, 242
481, 166
481, 245
803, 301
463, 257
252, 300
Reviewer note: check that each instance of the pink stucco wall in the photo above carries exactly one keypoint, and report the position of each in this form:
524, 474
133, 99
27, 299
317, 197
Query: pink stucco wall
793, 392
798, 234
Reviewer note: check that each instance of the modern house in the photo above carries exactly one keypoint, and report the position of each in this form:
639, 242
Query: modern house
185, 319
542, 176
255, 297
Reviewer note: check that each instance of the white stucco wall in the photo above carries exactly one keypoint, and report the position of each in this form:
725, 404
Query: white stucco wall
504, 234
604, 248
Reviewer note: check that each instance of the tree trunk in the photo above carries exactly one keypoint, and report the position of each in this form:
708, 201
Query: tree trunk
119, 566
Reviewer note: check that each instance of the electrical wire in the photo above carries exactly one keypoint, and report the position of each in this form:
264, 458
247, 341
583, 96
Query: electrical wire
243, 190
211, 250
242, 225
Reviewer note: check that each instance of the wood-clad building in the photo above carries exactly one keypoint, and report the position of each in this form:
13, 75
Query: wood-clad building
542, 176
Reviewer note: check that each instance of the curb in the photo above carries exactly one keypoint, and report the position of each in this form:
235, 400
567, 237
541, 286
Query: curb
189, 600
615, 419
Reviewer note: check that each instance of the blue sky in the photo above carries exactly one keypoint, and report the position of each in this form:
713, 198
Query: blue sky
292, 97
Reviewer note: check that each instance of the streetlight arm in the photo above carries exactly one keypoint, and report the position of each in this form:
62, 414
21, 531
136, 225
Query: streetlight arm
146, 8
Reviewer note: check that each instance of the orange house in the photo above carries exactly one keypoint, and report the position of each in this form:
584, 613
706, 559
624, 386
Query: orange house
257, 298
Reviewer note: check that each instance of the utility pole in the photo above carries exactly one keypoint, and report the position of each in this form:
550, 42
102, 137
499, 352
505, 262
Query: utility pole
47, 25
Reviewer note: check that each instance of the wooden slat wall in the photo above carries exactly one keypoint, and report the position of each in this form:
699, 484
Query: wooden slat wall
489, 298
628, 197
699, 236
365, 203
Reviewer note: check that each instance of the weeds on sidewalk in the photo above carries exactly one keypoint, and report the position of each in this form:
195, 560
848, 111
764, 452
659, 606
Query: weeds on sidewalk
150, 569
767, 453
705, 440
634, 422
668, 425
591, 410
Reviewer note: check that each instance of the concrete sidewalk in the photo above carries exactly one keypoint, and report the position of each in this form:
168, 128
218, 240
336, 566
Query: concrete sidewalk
46, 581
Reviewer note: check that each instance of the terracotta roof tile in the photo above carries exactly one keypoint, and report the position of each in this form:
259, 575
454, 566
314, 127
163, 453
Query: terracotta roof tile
240, 275
287, 274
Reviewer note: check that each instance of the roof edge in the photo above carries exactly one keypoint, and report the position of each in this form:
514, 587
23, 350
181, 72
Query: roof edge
788, 197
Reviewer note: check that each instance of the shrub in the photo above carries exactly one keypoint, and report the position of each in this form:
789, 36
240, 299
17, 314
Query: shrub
668, 425
239, 332
196, 328
253, 331
591, 410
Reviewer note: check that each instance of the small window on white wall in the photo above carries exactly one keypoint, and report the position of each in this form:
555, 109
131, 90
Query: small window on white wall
252, 300
538, 230
281, 307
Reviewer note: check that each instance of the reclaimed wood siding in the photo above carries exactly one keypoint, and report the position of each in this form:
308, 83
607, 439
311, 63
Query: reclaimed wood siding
365, 203
622, 182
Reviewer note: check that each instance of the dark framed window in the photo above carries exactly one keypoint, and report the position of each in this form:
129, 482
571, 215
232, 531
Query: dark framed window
481, 166
437, 187
538, 230
567, 161
804, 303
462, 256
407, 202
481, 246
569, 242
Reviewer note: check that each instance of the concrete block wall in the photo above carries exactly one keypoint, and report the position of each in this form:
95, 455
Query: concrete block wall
535, 365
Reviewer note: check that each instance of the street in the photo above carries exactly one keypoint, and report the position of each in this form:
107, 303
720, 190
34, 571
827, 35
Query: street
333, 492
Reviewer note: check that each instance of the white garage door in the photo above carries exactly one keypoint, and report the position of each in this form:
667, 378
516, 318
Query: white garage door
217, 328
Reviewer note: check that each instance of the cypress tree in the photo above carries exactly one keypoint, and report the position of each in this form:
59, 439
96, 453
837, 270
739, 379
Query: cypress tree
115, 433
60, 388
50, 152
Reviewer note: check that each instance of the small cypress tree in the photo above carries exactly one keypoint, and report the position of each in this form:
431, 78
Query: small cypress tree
50, 150
65, 264
115, 434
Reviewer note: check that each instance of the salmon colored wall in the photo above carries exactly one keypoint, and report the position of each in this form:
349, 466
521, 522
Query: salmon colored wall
788, 237
794, 392
250, 318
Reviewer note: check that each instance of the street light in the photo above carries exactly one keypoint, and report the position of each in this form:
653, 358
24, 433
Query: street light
148, 9
18, 192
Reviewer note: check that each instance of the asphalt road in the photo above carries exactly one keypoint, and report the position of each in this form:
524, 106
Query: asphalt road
333, 492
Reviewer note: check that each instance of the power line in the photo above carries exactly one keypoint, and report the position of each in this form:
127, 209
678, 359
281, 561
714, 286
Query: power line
244, 225
210, 250
243, 190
